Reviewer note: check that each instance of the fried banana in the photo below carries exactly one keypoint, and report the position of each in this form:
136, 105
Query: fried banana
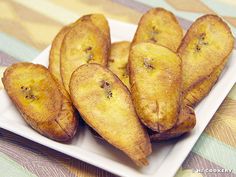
105, 104
39, 98
159, 26
155, 78
204, 52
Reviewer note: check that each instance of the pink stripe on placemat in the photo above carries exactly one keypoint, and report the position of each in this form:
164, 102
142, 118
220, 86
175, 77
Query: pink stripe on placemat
6, 60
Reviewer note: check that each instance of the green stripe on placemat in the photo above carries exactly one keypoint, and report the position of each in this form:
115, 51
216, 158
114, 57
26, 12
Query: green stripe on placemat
16, 48
232, 93
220, 7
46, 8
216, 152
10, 168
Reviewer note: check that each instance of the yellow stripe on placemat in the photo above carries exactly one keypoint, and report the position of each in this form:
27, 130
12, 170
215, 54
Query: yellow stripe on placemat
26, 25
223, 124
50, 10
109, 8
223, 128
56, 10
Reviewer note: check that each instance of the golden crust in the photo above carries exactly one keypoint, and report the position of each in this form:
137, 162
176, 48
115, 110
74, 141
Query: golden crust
105, 104
159, 26
186, 122
118, 61
155, 79
28, 87
205, 47
84, 43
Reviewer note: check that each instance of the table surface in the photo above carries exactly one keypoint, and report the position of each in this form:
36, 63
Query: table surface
27, 27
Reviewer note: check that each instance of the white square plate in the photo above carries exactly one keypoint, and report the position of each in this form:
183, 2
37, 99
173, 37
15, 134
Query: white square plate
166, 157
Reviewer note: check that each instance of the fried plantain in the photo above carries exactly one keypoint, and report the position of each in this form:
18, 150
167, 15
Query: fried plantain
159, 26
84, 43
54, 58
186, 122
39, 98
105, 104
155, 79
118, 61
204, 52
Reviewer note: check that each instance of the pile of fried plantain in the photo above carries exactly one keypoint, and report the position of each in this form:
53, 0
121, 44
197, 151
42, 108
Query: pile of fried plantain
153, 81
113, 115
204, 52
44, 106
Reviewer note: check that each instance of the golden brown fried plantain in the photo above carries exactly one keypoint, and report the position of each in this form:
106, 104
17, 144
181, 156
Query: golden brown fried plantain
159, 26
105, 104
186, 122
84, 43
155, 79
118, 60
40, 100
54, 58
204, 52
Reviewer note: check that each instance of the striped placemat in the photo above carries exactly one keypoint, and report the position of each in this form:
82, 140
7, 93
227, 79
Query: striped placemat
27, 27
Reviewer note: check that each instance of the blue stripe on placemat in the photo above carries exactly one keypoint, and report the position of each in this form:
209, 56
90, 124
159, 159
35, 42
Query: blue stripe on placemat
16, 48
216, 151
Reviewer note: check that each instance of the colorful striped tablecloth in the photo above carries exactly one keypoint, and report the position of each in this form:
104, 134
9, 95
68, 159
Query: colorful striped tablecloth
28, 26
